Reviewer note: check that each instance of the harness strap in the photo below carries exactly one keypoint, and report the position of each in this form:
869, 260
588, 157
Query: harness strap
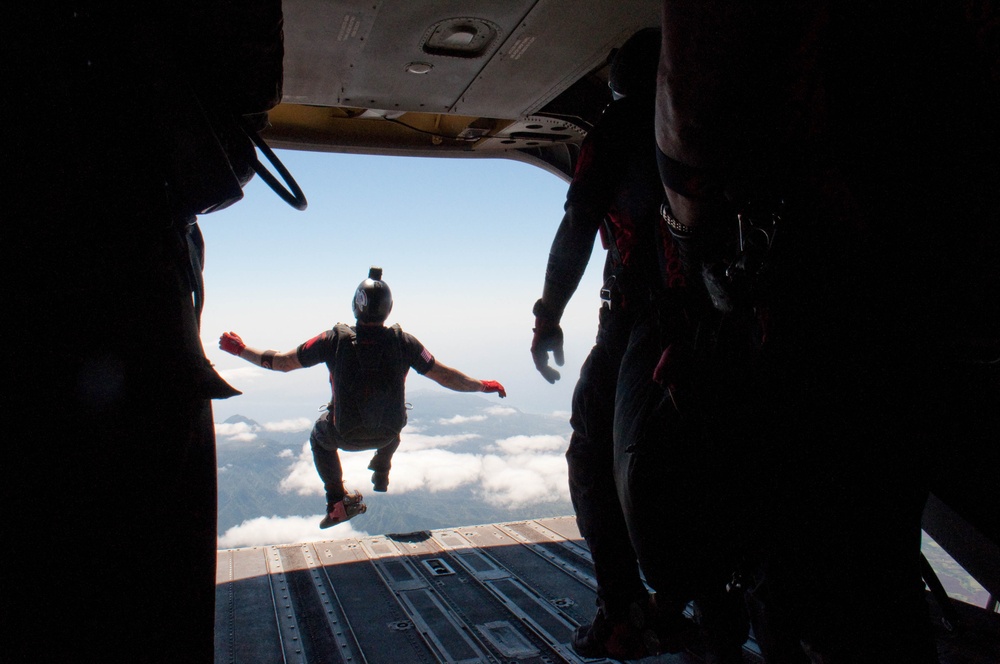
609, 233
608, 289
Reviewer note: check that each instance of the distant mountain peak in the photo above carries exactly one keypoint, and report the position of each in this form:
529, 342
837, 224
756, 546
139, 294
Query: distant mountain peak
239, 419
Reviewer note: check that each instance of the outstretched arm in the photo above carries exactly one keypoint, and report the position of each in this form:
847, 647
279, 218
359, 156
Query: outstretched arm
267, 359
454, 379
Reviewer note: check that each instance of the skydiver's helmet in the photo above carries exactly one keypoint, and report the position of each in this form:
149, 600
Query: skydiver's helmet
634, 65
372, 299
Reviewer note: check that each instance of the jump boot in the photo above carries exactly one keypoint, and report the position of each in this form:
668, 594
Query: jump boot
343, 510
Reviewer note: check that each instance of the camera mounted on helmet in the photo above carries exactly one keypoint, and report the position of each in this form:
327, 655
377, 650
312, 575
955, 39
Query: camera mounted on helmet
372, 299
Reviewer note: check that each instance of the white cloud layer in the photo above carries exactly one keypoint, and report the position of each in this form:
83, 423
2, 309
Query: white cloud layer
244, 432
517, 481
227, 429
264, 531
289, 426
433, 470
501, 411
302, 477
512, 472
417, 441
524, 444
462, 419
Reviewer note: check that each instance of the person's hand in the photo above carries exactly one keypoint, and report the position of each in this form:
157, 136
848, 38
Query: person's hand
548, 337
231, 343
493, 386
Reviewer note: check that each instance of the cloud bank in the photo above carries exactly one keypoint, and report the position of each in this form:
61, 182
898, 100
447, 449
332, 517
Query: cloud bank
462, 419
233, 429
264, 531
500, 411
289, 426
512, 472
244, 432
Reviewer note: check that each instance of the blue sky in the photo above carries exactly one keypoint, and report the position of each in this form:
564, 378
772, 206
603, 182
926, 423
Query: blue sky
463, 243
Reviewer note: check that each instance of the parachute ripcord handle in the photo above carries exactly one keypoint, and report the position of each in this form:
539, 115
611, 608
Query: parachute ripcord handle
292, 194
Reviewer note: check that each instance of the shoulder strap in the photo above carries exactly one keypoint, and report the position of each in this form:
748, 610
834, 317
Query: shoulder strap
344, 331
397, 335
609, 231
611, 280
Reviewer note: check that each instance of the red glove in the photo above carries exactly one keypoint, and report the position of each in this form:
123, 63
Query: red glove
493, 386
231, 343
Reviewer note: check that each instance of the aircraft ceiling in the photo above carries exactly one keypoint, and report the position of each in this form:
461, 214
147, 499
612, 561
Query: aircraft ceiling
523, 79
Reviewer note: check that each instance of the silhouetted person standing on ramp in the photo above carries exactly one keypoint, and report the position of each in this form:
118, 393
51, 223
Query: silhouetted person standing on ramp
615, 193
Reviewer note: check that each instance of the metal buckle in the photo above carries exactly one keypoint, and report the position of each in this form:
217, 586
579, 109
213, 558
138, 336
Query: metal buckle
606, 291
756, 241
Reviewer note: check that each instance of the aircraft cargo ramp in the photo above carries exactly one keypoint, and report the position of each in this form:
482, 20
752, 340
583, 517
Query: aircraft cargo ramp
507, 593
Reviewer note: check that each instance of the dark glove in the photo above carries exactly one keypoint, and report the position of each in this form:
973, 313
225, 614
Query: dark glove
548, 337
231, 343
493, 386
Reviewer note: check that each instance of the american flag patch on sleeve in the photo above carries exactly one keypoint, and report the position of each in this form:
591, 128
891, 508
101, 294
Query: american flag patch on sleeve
426, 355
